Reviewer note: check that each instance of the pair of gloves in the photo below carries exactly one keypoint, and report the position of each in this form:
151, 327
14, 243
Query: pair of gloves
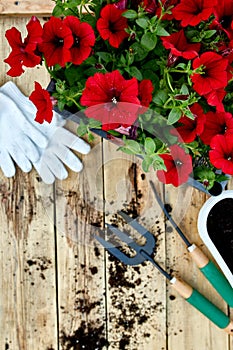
27, 143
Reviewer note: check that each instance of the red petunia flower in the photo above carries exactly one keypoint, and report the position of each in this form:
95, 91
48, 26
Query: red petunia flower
190, 128
24, 52
111, 25
84, 39
214, 74
215, 98
217, 123
41, 99
111, 99
179, 46
192, 12
57, 42
223, 12
145, 92
221, 153
178, 164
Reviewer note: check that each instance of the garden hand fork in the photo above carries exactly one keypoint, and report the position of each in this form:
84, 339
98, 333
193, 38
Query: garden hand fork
145, 252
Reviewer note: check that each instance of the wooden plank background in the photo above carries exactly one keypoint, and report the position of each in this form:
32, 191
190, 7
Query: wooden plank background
59, 290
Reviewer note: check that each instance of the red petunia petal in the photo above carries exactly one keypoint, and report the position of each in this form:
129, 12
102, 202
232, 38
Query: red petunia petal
41, 99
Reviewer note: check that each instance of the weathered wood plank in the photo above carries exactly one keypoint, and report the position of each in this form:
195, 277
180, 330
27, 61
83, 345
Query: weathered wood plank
81, 266
186, 326
26, 7
28, 290
136, 295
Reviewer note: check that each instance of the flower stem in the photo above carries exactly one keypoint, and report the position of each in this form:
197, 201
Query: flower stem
74, 102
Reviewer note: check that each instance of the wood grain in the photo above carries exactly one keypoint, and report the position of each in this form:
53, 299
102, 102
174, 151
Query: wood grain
136, 295
81, 264
28, 290
28, 278
26, 7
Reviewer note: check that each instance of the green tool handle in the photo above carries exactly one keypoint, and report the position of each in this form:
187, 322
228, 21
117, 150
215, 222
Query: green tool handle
212, 274
203, 305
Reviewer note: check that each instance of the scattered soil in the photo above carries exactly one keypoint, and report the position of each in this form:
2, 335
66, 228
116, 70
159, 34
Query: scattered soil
220, 229
88, 336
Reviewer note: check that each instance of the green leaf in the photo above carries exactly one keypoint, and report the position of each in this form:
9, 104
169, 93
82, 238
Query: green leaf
90, 137
142, 22
130, 14
139, 52
209, 33
160, 31
158, 163
149, 145
122, 59
149, 41
174, 116
151, 65
148, 74
94, 124
146, 163
189, 114
105, 56
181, 65
82, 129
57, 11
61, 105
135, 72
184, 90
160, 98
131, 147
73, 74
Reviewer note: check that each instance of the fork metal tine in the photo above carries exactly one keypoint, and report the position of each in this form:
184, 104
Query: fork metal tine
137, 259
125, 238
133, 222
150, 239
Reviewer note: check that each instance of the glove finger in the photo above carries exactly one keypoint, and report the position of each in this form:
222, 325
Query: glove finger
35, 134
28, 148
72, 141
54, 164
44, 172
7, 164
19, 157
67, 157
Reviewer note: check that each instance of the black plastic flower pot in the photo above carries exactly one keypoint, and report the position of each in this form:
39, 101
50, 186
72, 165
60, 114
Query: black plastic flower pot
215, 226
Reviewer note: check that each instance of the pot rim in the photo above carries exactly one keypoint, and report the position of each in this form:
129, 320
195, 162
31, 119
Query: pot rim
202, 229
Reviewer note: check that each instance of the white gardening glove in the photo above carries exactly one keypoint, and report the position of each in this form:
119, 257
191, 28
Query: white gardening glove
18, 138
52, 158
